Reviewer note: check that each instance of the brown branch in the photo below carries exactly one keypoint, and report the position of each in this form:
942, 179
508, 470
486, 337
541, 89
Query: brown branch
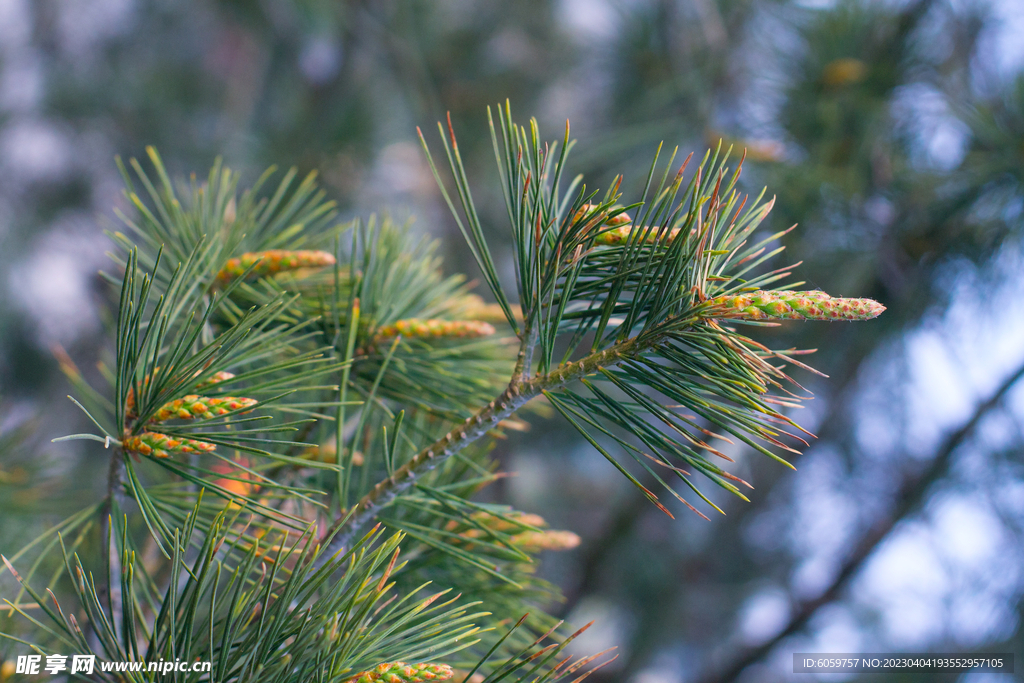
525, 358
343, 532
906, 501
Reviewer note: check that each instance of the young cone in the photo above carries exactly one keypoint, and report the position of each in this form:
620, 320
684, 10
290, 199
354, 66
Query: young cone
617, 229
216, 378
530, 541
788, 305
621, 235
162, 446
426, 329
400, 672
193, 406
551, 539
499, 524
618, 219
272, 262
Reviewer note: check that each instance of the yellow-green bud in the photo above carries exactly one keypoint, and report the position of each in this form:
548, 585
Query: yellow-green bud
618, 228
550, 539
505, 523
621, 235
400, 672
272, 262
788, 305
214, 379
427, 329
530, 541
161, 446
193, 406
617, 219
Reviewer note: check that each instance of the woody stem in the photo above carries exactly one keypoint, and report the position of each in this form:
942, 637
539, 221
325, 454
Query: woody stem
343, 531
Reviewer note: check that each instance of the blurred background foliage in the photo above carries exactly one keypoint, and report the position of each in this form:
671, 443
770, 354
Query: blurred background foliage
892, 132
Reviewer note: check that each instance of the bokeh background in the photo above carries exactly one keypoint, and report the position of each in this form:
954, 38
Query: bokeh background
893, 132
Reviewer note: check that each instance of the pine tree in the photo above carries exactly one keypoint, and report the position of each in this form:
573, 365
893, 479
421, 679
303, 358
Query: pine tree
298, 413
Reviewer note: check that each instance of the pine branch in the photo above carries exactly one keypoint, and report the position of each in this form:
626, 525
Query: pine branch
206, 342
244, 313
649, 298
518, 393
